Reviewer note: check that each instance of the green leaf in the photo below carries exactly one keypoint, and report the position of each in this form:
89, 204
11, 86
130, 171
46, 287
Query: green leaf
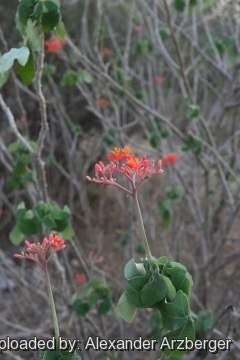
175, 314
66, 355
16, 236
193, 112
87, 77
33, 37
3, 78
15, 146
184, 331
38, 10
194, 145
166, 212
109, 137
164, 33
203, 321
77, 129
24, 12
170, 289
142, 46
60, 29
132, 269
68, 232
162, 261
7, 60
69, 78
125, 308
156, 325
61, 217
51, 18
161, 128
22, 158
153, 292
140, 248
140, 95
49, 222
81, 307
29, 225
55, 2
134, 286
50, 355
42, 209
180, 278
193, 2
28, 177
27, 72
104, 306
84, 76
179, 5
154, 140
174, 193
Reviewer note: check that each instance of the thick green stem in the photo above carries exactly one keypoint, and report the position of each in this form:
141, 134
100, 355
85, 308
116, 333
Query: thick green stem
145, 240
52, 304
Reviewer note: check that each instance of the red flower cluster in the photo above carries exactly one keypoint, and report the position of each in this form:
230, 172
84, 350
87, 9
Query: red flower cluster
102, 102
171, 159
106, 51
42, 253
122, 162
159, 79
53, 44
80, 278
138, 28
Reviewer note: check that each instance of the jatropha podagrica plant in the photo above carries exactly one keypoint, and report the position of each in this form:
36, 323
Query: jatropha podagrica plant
42, 253
155, 282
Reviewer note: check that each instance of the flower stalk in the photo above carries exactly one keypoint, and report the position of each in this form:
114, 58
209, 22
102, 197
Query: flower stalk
52, 304
142, 228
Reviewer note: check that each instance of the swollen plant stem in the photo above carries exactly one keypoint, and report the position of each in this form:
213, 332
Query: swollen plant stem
145, 240
52, 304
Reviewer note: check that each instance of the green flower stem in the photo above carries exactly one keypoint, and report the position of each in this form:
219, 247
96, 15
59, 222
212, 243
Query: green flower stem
52, 304
145, 240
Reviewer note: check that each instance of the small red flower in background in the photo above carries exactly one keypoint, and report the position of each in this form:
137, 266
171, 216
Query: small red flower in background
106, 51
102, 102
171, 159
80, 278
129, 165
53, 44
159, 79
42, 253
1, 212
138, 28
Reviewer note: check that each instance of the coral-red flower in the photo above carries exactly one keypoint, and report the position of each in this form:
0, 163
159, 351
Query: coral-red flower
54, 44
138, 28
116, 154
80, 278
102, 102
42, 253
159, 79
171, 158
129, 165
106, 51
